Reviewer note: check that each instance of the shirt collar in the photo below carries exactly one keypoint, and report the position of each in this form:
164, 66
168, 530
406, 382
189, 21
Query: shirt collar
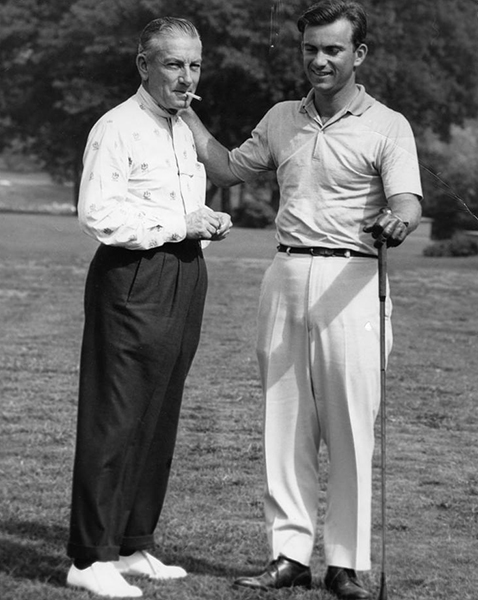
147, 101
357, 106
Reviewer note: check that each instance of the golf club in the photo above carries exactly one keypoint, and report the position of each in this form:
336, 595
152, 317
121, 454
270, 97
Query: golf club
382, 294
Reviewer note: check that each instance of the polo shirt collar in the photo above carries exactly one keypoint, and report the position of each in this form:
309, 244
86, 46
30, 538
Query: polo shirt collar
358, 105
145, 99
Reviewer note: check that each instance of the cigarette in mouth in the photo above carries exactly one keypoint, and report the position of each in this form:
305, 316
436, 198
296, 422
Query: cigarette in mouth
193, 96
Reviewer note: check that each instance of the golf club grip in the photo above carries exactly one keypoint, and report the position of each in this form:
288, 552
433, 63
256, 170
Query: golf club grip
382, 271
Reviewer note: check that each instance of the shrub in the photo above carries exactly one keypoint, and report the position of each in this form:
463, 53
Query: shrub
254, 214
458, 245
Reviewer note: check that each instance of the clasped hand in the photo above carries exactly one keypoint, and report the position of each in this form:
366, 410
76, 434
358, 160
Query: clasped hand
388, 228
207, 224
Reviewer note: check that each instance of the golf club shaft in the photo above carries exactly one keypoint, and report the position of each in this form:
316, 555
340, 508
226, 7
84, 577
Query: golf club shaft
382, 293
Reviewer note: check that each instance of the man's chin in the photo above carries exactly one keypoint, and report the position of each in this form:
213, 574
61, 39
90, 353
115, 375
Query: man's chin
323, 89
179, 104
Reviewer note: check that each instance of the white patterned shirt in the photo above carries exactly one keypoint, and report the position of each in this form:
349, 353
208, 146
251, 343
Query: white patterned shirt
141, 176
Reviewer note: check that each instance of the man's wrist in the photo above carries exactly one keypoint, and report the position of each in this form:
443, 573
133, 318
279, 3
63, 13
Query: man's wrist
386, 210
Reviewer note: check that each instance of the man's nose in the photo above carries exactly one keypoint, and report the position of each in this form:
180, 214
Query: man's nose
320, 60
186, 75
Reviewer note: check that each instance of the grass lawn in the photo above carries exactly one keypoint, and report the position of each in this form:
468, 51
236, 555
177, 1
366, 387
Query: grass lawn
212, 522
33, 192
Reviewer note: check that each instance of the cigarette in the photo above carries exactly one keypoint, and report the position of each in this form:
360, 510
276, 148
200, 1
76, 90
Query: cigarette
193, 96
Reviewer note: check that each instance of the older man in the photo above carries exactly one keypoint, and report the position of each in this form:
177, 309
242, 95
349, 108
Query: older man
142, 197
348, 172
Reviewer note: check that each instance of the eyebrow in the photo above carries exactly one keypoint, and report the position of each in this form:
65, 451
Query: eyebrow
173, 58
326, 47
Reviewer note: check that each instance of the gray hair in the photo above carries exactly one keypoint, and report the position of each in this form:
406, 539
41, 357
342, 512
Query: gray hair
164, 26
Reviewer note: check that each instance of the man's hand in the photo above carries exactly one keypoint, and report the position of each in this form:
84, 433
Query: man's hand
202, 224
224, 227
205, 224
388, 228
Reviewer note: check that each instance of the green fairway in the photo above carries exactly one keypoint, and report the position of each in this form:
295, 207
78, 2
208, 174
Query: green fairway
212, 522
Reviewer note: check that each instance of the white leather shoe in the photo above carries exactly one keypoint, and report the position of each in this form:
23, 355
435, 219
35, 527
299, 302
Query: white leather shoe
102, 579
143, 563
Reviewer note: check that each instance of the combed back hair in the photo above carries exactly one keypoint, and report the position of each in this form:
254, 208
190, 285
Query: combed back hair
164, 26
328, 11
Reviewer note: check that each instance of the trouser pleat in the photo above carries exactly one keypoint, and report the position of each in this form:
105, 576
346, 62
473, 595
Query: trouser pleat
143, 313
318, 351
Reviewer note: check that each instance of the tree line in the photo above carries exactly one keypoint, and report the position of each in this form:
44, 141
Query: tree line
65, 62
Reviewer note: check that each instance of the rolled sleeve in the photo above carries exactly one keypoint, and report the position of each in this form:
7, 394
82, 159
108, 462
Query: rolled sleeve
254, 155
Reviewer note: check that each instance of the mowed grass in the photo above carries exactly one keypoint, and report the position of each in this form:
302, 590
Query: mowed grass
33, 192
212, 522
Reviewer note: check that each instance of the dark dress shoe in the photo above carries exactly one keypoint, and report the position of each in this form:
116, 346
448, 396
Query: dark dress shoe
344, 584
280, 573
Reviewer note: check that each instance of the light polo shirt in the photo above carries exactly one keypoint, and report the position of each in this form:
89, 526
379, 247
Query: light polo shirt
333, 177
141, 176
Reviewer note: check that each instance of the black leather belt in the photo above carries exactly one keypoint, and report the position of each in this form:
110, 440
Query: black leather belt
322, 251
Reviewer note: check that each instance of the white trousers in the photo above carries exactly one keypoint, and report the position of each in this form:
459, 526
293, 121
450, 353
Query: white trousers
319, 356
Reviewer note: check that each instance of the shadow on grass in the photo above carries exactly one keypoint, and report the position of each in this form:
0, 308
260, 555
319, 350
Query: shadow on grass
27, 551
209, 565
36, 551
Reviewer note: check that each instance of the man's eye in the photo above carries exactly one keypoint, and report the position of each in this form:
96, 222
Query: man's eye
195, 66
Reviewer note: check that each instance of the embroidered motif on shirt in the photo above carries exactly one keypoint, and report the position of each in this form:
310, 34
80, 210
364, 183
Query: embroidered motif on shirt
143, 178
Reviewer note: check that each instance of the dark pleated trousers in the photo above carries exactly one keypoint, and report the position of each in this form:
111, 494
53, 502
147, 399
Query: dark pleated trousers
143, 314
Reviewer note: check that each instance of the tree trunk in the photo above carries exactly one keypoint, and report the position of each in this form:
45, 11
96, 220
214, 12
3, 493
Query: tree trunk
275, 195
210, 194
226, 200
77, 170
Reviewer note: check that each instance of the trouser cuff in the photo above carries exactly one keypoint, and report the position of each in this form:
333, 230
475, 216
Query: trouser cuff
93, 553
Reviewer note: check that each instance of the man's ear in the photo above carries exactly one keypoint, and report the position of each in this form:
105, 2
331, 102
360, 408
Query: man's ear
360, 54
142, 65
